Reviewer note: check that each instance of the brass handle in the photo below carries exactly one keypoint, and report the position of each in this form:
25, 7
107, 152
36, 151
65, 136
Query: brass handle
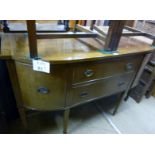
43, 90
83, 94
88, 73
129, 66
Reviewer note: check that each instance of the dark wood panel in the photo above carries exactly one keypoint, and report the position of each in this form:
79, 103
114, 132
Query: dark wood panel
7, 99
8, 109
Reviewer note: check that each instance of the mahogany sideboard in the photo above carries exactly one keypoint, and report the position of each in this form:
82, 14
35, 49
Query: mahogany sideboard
80, 71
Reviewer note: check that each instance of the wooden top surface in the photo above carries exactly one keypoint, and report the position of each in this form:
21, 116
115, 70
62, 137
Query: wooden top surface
67, 50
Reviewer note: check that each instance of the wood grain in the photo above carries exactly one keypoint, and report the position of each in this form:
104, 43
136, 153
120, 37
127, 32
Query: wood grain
60, 51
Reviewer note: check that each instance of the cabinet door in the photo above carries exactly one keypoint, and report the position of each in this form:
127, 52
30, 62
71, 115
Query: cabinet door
42, 91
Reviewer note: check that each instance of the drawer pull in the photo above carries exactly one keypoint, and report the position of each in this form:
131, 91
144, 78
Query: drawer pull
88, 73
43, 90
120, 84
83, 94
129, 66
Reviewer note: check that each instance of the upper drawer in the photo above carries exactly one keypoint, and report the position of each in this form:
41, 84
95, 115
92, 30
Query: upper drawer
92, 71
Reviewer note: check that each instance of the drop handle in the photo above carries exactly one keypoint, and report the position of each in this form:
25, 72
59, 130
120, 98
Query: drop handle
88, 73
43, 90
83, 94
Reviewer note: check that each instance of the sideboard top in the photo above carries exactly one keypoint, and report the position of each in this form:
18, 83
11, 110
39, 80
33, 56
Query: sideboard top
68, 50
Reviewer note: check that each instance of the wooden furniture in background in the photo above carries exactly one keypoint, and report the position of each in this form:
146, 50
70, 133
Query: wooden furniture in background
19, 26
130, 23
114, 35
145, 83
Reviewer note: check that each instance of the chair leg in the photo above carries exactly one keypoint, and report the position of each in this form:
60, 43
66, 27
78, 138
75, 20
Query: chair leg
66, 120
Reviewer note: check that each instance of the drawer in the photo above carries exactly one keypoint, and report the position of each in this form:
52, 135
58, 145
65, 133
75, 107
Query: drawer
93, 71
41, 91
99, 89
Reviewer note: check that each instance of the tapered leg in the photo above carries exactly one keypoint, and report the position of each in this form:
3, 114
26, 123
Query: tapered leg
126, 98
66, 119
120, 98
22, 113
17, 92
127, 95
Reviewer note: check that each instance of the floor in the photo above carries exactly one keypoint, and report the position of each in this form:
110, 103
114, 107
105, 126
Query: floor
94, 118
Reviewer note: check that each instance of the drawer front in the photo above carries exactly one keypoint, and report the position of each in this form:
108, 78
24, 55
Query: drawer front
92, 71
99, 89
41, 91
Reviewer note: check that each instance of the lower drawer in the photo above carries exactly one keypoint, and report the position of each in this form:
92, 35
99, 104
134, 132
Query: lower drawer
106, 87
